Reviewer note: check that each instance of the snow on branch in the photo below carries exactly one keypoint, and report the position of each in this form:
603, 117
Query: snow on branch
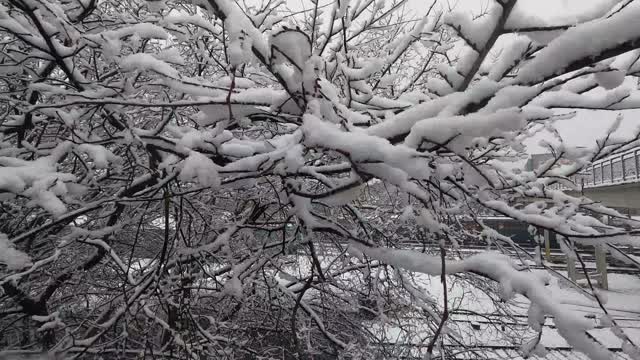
231, 180
584, 44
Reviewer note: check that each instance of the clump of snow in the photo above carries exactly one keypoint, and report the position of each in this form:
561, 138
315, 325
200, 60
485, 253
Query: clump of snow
201, 169
147, 62
475, 31
343, 197
451, 75
302, 210
403, 122
562, 98
610, 79
543, 37
510, 55
439, 86
156, 6
535, 317
511, 96
361, 146
429, 222
290, 46
238, 82
38, 180
171, 55
363, 68
526, 15
293, 159
582, 41
388, 80
407, 214
397, 47
100, 155
51, 321
630, 349
601, 295
239, 48
461, 132
142, 30
11, 257
233, 287
236, 148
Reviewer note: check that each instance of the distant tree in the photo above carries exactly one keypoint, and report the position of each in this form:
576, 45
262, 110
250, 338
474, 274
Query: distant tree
219, 180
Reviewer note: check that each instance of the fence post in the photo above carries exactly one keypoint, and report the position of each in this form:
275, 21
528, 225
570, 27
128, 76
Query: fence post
601, 267
547, 245
571, 268
601, 261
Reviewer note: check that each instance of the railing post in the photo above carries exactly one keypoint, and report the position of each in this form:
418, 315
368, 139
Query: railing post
635, 161
611, 170
624, 172
593, 171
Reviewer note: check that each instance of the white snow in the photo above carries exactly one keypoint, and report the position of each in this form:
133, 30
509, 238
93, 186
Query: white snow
142, 30
477, 31
147, 62
39, 179
580, 42
100, 155
509, 55
361, 146
11, 257
201, 169
290, 46
540, 13
239, 48
461, 132
242, 26
610, 79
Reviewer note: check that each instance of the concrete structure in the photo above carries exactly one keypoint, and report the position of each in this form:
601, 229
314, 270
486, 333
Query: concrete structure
625, 197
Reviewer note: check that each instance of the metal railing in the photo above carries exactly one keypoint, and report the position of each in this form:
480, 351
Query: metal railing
619, 168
